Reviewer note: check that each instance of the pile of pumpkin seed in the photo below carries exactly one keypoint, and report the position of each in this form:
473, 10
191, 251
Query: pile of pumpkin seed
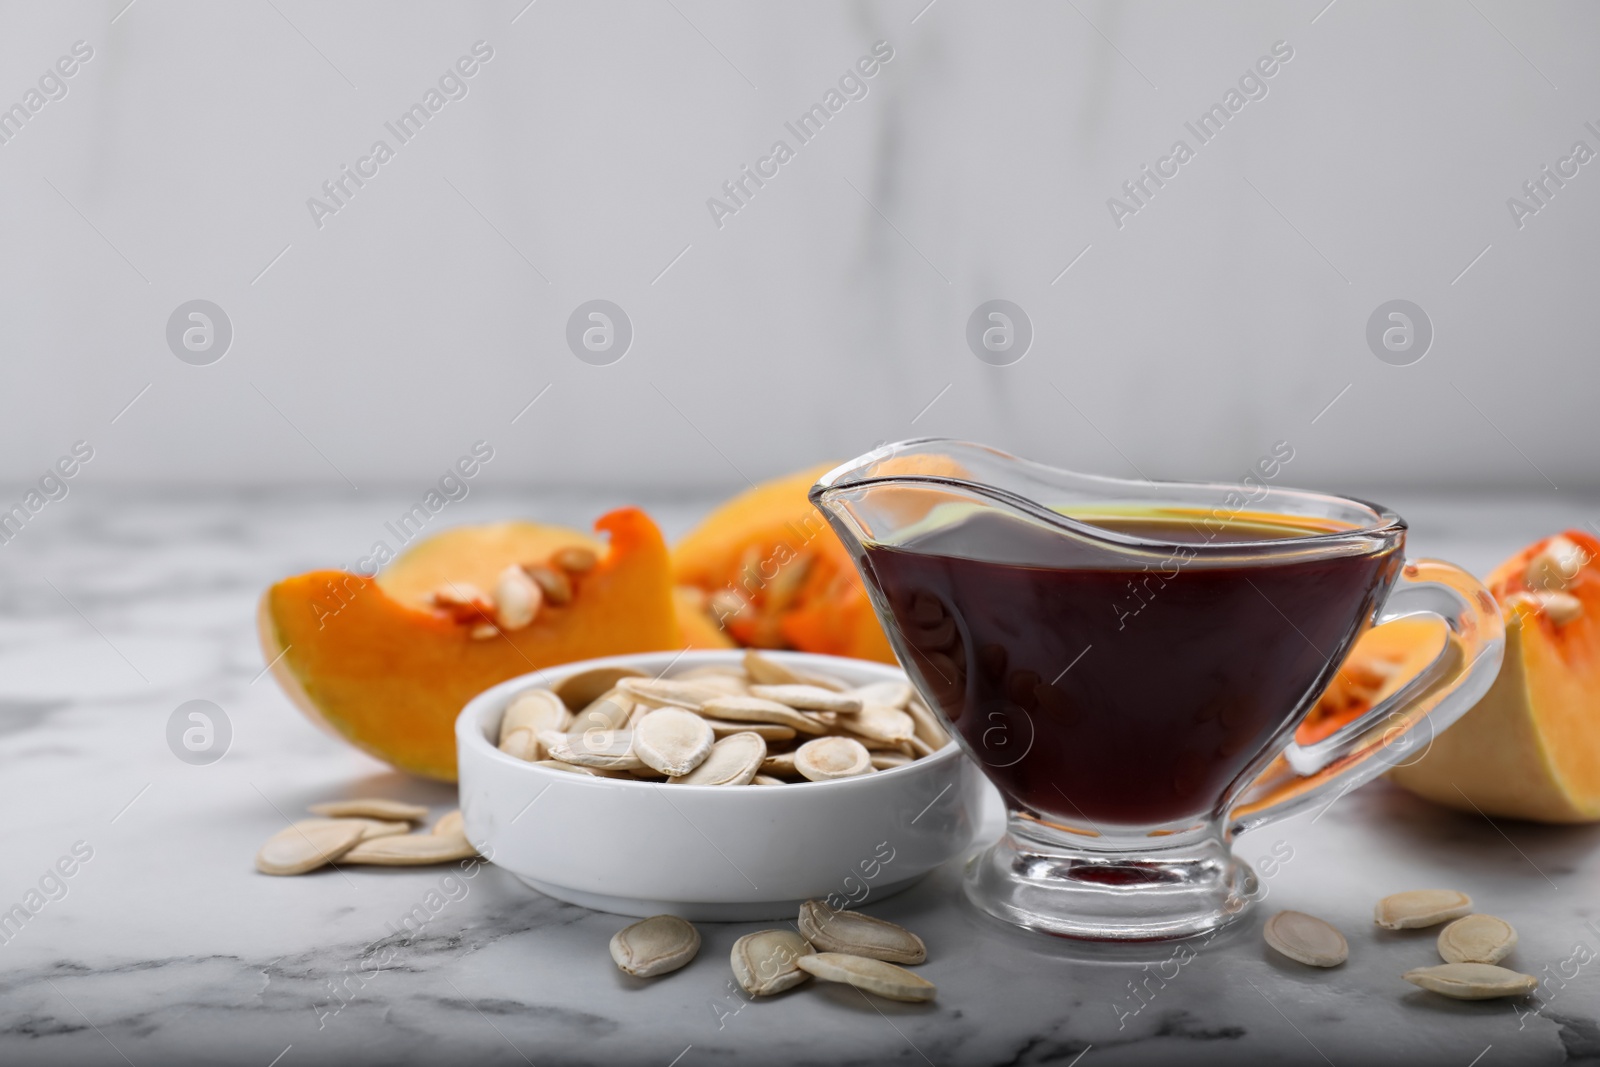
1472, 945
763, 723
830, 945
366, 830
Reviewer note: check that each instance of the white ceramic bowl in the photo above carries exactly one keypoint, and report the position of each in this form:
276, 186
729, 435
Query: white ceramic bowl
718, 853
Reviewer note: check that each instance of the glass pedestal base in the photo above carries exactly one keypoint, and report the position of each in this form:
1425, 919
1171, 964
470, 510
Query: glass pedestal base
1105, 889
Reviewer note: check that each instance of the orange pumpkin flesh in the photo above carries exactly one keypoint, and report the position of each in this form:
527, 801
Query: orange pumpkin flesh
696, 626
371, 661
1530, 748
771, 549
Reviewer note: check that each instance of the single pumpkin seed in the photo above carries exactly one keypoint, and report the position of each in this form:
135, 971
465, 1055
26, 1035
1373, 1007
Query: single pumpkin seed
930, 730
881, 723
808, 698
411, 850
554, 584
722, 683
584, 688
1556, 565
689, 695
673, 741
767, 731
758, 709
575, 559
305, 846
610, 750
779, 763
763, 670
920, 748
1420, 907
483, 631
1472, 981
872, 976
1561, 607
370, 827
767, 779
464, 601
523, 745
534, 709
734, 760
884, 694
657, 945
573, 768
1307, 939
828, 758
450, 824
1477, 939
855, 934
764, 962
609, 711
887, 761
517, 599
370, 808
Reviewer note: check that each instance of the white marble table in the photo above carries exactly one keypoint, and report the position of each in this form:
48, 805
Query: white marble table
167, 948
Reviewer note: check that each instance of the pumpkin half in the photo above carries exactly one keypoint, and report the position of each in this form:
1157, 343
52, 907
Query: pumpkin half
376, 662
1530, 749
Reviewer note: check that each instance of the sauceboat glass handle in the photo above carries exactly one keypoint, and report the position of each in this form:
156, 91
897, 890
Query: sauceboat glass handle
1402, 726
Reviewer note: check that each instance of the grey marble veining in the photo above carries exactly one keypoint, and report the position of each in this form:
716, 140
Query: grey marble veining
166, 947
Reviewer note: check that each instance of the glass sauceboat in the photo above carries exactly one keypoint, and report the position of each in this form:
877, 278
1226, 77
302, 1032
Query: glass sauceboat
1120, 825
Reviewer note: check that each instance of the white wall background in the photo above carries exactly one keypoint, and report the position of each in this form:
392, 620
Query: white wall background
831, 311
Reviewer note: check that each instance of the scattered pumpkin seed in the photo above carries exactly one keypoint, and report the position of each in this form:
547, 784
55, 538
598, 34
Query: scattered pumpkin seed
1420, 907
869, 975
307, 845
855, 934
764, 962
370, 827
1477, 939
654, 946
1307, 939
1472, 981
411, 850
370, 808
